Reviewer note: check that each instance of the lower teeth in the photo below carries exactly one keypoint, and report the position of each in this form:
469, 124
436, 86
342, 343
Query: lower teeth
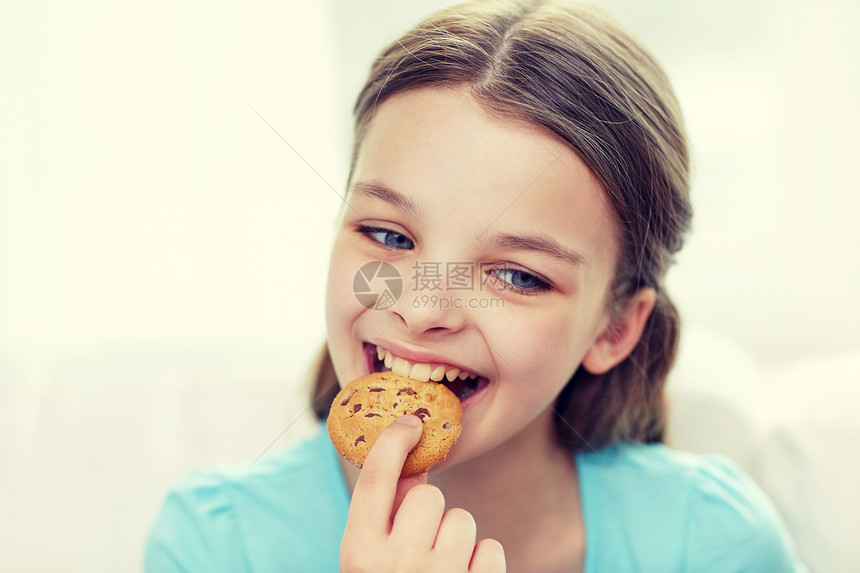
463, 388
468, 390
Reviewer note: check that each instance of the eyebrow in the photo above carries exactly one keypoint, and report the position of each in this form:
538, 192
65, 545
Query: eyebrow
539, 243
389, 195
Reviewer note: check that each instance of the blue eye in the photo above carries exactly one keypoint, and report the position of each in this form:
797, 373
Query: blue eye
387, 238
520, 281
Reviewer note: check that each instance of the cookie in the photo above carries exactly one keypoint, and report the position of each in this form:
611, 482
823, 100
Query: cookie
368, 404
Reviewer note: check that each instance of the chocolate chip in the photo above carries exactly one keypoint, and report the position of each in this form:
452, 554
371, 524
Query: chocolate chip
356, 407
371, 415
347, 396
360, 439
407, 391
377, 389
446, 426
393, 406
422, 412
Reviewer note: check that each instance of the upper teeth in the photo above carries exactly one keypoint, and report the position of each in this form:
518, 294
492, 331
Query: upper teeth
420, 371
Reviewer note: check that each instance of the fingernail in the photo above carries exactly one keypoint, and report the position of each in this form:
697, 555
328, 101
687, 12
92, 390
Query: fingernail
409, 420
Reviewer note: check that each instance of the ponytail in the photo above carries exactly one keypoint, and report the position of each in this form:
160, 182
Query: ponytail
626, 403
324, 385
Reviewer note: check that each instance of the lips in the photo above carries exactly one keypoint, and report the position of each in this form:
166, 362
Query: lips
462, 383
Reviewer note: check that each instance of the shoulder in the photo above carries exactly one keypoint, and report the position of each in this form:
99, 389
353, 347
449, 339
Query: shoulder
277, 480
290, 503
693, 512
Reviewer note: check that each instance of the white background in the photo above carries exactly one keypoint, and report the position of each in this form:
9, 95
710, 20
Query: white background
169, 180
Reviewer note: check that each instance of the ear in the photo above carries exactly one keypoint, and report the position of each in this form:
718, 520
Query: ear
621, 335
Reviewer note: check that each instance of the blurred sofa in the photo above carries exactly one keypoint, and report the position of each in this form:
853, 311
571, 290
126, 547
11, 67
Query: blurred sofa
794, 428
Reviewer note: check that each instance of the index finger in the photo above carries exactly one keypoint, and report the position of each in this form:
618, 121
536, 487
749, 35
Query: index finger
373, 496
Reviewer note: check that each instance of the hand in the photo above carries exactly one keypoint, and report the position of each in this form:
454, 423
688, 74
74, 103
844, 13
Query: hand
401, 524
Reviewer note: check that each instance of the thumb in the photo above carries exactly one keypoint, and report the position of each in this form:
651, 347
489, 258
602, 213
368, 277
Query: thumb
403, 487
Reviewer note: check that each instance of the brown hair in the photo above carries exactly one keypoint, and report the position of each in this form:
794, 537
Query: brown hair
577, 73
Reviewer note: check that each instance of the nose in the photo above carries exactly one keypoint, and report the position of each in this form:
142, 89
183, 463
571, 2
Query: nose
429, 305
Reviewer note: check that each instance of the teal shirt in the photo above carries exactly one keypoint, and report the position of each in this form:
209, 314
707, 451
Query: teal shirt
646, 508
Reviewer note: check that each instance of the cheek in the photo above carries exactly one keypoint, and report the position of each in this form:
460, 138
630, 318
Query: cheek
544, 349
338, 288
343, 265
341, 306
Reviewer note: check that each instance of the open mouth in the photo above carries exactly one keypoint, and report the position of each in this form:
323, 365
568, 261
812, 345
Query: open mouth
462, 383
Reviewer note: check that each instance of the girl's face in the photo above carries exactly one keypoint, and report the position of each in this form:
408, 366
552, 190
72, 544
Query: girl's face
505, 248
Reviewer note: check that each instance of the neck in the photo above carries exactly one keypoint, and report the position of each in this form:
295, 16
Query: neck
525, 494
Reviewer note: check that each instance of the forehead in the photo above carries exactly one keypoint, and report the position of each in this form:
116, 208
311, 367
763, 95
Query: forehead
442, 149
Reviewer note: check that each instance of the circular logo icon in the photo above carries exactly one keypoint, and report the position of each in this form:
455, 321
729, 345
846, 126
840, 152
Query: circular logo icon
377, 285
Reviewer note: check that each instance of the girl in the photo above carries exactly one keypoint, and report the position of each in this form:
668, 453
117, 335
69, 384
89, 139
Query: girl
538, 146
